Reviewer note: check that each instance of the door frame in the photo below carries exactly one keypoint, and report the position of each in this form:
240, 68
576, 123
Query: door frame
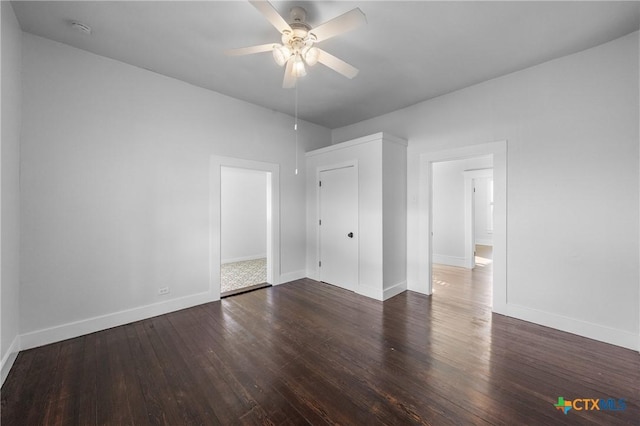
273, 218
425, 215
324, 168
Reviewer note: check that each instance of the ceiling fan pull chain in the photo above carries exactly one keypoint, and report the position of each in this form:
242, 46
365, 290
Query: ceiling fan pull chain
295, 125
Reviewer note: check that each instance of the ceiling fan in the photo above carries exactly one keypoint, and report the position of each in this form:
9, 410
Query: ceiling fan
298, 39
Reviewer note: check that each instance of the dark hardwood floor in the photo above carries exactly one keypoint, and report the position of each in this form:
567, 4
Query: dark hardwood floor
310, 353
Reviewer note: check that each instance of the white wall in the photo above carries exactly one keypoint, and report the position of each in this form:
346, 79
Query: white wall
115, 188
482, 211
448, 212
11, 104
448, 209
243, 234
572, 131
394, 218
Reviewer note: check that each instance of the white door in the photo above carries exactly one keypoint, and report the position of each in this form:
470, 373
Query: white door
339, 227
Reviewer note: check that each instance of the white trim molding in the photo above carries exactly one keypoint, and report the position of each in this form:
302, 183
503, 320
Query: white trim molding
9, 358
443, 259
244, 258
353, 142
587, 329
394, 290
370, 292
382, 294
291, 276
91, 325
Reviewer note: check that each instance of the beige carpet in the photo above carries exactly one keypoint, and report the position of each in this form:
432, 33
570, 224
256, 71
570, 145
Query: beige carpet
237, 275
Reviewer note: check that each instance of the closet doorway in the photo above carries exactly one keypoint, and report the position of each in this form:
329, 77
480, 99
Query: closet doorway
338, 224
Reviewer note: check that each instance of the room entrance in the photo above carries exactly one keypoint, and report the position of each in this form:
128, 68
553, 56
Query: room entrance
243, 230
219, 230
462, 229
425, 240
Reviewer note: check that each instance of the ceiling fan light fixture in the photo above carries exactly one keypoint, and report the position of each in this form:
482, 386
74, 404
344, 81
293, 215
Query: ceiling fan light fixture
281, 54
297, 50
311, 56
298, 67
286, 37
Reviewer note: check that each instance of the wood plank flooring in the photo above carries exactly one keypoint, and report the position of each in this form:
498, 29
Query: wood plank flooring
310, 353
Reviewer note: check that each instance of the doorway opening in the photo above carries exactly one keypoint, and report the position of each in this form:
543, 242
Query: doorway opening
462, 229
272, 173
424, 242
244, 206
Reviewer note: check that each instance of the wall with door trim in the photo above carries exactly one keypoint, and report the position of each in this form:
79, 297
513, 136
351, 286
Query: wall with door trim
116, 189
573, 136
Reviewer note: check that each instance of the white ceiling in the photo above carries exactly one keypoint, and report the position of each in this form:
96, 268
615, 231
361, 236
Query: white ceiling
407, 53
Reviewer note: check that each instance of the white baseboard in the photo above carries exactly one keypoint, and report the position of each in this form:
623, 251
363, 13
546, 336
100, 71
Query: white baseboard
449, 260
103, 322
373, 293
571, 325
291, 276
9, 358
244, 258
394, 290
418, 289
484, 242
312, 274
70, 330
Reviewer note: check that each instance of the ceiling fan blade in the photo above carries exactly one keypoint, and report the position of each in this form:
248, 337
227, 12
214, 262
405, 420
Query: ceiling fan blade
338, 25
289, 81
337, 65
249, 50
271, 14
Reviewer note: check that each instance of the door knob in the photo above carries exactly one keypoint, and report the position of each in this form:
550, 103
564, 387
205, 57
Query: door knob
350, 235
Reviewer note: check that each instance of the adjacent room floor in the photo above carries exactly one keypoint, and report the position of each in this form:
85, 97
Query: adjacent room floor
241, 276
311, 353
474, 286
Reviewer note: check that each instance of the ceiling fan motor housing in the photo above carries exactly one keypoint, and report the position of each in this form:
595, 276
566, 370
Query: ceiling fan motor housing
299, 37
298, 14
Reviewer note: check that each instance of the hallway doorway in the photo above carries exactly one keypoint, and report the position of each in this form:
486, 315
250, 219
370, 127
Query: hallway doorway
426, 239
243, 230
461, 218
220, 231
